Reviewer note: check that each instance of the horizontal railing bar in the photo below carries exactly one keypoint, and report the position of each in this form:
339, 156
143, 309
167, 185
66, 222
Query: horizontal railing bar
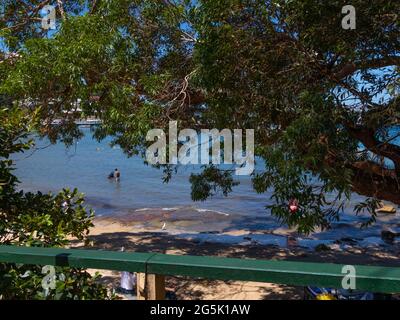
107, 260
368, 278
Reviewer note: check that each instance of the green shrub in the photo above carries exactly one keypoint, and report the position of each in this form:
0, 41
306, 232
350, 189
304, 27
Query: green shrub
41, 220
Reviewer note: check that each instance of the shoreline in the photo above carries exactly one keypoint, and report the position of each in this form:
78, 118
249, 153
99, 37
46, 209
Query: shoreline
111, 232
209, 226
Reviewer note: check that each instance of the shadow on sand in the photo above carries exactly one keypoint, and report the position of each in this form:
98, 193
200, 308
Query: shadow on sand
187, 288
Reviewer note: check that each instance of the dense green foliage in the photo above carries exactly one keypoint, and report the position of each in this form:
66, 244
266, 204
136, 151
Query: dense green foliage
36, 219
323, 100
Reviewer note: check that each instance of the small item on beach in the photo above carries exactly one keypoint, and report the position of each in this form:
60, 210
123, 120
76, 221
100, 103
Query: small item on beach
293, 206
128, 281
164, 226
385, 209
320, 293
325, 296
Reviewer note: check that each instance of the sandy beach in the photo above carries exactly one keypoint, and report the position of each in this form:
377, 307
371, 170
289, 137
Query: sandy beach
114, 233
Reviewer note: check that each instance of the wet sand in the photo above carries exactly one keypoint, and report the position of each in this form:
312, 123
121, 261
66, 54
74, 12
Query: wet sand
114, 233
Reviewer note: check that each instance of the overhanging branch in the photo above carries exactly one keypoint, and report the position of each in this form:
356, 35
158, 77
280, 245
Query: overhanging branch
346, 69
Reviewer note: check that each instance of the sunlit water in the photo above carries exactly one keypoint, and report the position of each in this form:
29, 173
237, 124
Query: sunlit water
87, 164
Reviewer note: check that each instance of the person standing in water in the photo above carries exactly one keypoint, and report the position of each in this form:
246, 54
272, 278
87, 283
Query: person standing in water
117, 175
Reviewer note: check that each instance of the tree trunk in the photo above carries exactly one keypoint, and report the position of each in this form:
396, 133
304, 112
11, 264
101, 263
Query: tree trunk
381, 186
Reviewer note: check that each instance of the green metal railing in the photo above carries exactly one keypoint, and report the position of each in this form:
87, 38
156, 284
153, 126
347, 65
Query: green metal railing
368, 278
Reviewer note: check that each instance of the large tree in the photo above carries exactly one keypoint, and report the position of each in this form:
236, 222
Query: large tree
323, 100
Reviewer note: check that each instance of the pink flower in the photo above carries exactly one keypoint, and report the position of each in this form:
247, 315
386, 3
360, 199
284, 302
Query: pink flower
293, 206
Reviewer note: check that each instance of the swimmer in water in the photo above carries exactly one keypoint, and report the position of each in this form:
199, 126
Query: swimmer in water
117, 175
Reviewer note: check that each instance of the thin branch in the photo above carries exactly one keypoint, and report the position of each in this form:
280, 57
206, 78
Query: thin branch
346, 69
61, 8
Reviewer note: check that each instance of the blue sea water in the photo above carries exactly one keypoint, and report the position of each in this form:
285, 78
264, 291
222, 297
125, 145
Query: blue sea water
87, 164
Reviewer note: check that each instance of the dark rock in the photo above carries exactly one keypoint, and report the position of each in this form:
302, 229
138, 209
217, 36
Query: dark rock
322, 247
388, 235
348, 240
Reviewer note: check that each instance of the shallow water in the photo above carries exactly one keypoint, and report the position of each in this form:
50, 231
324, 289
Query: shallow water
87, 164
141, 190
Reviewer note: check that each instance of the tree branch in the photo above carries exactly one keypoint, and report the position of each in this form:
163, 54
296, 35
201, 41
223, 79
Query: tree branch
61, 8
346, 69
368, 139
371, 181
